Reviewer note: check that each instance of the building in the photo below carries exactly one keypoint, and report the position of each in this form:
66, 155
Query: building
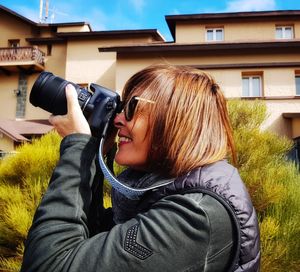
68, 50
252, 55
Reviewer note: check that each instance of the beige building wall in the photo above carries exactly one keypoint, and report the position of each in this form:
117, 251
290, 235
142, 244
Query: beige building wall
8, 96
6, 144
277, 81
86, 65
83, 28
297, 30
56, 62
295, 128
255, 31
203, 58
189, 33
45, 32
11, 29
276, 122
193, 32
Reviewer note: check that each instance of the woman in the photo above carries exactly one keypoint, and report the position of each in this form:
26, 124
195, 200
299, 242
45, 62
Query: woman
174, 126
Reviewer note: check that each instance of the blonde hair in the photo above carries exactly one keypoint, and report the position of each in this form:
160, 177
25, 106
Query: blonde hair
189, 125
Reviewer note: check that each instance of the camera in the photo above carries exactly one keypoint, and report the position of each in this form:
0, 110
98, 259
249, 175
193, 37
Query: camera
99, 104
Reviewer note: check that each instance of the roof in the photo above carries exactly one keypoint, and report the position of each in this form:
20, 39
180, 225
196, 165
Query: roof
28, 21
231, 17
17, 130
63, 36
65, 24
11, 12
204, 47
291, 115
154, 33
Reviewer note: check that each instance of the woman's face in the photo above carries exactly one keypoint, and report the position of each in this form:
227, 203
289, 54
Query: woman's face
134, 142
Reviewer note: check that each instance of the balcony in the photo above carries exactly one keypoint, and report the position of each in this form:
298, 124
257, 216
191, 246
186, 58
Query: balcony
25, 59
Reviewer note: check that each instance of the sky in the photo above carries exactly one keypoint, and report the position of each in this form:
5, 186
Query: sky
137, 14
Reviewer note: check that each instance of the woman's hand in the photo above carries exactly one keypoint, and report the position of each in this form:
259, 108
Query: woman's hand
74, 121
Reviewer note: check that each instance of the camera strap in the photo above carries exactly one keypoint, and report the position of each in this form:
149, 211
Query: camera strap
129, 192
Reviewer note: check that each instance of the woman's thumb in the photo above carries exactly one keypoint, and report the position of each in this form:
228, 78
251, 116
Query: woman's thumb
72, 99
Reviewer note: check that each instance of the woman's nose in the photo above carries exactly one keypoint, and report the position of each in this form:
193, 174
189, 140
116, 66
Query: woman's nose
119, 120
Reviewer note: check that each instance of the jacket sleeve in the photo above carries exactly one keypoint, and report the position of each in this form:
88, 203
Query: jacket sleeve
59, 239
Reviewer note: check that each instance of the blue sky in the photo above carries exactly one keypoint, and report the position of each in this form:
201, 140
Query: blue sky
137, 14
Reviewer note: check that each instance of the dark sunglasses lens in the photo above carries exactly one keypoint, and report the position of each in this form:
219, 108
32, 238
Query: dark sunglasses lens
130, 108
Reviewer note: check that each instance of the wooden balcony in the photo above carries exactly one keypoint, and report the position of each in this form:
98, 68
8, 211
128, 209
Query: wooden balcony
25, 59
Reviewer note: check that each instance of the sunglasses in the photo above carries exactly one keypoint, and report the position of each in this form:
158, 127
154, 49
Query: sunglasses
130, 106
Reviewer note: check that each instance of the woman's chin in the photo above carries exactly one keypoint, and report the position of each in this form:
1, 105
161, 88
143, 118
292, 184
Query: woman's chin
122, 160
132, 165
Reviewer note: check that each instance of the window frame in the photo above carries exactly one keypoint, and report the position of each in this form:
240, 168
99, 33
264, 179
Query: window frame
283, 28
250, 76
297, 91
214, 32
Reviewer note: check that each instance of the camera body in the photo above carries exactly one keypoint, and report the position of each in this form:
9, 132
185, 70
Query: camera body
99, 104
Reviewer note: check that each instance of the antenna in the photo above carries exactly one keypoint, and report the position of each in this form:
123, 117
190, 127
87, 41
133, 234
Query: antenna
55, 12
44, 10
41, 10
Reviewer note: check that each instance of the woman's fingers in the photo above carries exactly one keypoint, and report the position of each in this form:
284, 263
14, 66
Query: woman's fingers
74, 121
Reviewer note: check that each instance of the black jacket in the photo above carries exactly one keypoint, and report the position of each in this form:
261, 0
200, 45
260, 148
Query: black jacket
222, 181
190, 232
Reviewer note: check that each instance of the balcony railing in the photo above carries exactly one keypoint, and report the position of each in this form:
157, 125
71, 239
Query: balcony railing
22, 54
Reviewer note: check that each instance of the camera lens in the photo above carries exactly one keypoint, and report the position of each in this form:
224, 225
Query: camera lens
48, 93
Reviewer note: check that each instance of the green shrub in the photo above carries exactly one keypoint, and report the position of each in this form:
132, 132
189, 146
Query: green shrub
273, 183
23, 179
32, 160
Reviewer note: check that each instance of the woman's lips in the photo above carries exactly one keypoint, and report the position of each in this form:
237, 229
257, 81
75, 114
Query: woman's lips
124, 140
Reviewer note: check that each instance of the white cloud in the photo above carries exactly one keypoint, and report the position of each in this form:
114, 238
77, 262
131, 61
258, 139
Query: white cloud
250, 5
138, 5
99, 20
174, 12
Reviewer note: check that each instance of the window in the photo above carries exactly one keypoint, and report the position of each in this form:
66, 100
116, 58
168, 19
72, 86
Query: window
13, 43
297, 81
214, 34
21, 98
252, 86
284, 32
49, 49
